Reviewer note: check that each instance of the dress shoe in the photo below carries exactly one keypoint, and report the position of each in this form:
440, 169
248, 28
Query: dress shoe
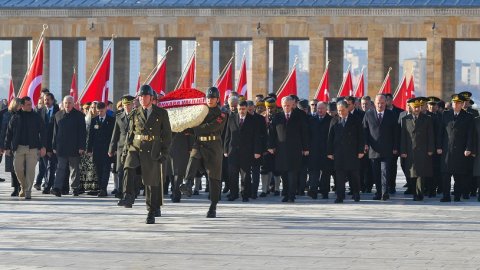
176, 199
263, 195
385, 197
14, 193
65, 192
456, 198
103, 193
119, 195
313, 194
446, 199
76, 193
225, 190
158, 213
377, 197
338, 200
150, 218
115, 191
196, 192
2, 179
245, 199
46, 191
276, 193
356, 197
56, 192
121, 203
418, 198
211, 213
232, 198
285, 199
254, 196
406, 185
186, 189
37, 187
291, 200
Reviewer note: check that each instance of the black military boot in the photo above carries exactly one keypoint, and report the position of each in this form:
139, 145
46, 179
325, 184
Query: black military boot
158, 212
212, 212
186, 189
150, 217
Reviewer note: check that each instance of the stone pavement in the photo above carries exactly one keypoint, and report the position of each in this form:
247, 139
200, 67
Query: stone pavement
90, 233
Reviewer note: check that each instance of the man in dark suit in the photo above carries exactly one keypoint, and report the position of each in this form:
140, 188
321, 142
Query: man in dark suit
49, 161
346, 148
288, 139
381, 141
457, 145
262, 134
417, 145
99, 137
435, 182
241, 146
392, 176
117, 142
319, 168
69, 138
471, 185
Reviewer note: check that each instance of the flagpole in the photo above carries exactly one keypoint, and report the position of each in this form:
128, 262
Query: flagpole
343, 82
224, 69
386, 77
89, 81
358, 83
187, 66
45, 27
241, 68
289, 75
169, 49
322, 80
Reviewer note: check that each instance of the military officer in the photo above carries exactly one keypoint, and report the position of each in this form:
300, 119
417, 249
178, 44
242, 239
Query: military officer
207, 150
117, 142
147, 146
417, 146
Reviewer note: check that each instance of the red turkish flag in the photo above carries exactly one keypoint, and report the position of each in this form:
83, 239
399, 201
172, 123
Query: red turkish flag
188, 81
74, 90
360, 91
288, 88
401, 96
32, 82
11, 91
386, 86
97, 88
158, 81
323, 94
347, 86
138, 83
411, 88
225, 84
242, 80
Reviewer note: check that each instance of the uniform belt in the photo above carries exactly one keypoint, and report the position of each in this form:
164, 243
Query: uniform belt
208, 138
147, 138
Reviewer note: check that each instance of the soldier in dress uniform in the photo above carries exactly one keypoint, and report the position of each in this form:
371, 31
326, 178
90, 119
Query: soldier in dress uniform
147, 146
436, 116
207, 150
417, 146
117, 143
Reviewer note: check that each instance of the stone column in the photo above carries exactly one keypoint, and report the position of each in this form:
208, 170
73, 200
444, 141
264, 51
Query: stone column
316, 63
335, 55
281, 66
204, 63
19, 61
227, 48
435, 57
69, 61
121, 68
94, 52
390, 59
259, 66
174, 62
148, 55
448, 70
376, 72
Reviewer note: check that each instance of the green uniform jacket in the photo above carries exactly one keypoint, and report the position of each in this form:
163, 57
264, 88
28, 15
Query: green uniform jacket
148, 154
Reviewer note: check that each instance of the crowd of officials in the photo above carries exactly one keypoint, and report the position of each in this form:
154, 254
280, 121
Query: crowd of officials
255, 148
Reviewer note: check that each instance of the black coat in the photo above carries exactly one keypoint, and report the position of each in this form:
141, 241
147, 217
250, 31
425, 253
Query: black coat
241, 143
119, 136
69, 133
319, 129
345, 143
382, 138
36, 131
99, 137
289, 140
456, 137
8, 159
48, 124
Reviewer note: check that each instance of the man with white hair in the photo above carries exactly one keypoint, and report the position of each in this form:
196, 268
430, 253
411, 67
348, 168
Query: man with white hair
69, 139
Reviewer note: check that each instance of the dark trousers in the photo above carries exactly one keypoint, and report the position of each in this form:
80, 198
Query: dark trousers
353, 177
245, 179
381, 170
152, 197
302, 178
102, 168
458, 187
392, 174
215, 185
319, 180
470, 183
47, 166
121, 178
366, 176
225, 174
290, 183
67, 166
255, 178
15, 183
129, 184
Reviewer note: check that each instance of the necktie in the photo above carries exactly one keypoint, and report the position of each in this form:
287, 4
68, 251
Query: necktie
241, 122
101, 120
47, 117
145, 113
287, 116
380, 117
344, 120
455, 116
